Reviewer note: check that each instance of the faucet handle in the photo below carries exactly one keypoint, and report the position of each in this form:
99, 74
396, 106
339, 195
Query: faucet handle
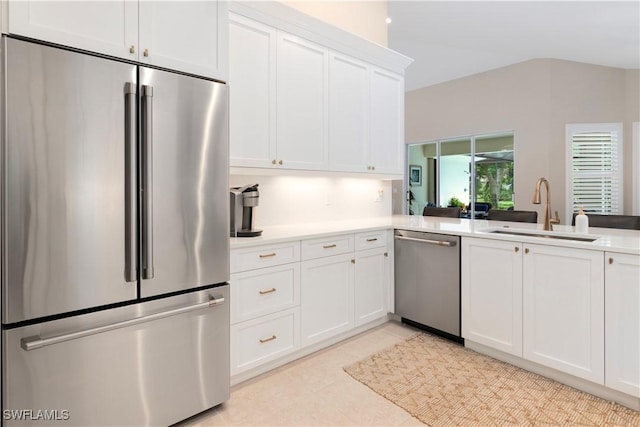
555, 220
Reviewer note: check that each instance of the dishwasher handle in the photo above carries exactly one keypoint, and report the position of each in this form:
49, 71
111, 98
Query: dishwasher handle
36, 341
427, 241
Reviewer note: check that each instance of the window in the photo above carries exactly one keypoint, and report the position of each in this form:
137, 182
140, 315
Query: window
457, 171
594, 165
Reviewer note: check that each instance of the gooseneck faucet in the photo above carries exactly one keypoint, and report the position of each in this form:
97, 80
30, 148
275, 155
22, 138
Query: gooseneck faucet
548, 221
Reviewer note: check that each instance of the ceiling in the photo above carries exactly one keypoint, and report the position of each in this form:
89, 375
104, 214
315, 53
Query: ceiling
453, 39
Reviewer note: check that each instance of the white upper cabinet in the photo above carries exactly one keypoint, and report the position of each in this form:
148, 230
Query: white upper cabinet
386, 152
188, 36
252, 95
109, 27
348, 113
622, 322
302, 109
307, 96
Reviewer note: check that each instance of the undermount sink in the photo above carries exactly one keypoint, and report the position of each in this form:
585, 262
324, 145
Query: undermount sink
544, 235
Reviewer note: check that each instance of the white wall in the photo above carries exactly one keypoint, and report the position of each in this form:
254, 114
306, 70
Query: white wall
364, 17
286, 200
535, 99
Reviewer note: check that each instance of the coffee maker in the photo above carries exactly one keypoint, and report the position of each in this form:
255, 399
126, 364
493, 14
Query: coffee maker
242, 201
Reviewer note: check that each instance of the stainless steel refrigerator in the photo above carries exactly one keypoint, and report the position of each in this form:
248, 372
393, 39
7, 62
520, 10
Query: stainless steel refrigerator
114, 240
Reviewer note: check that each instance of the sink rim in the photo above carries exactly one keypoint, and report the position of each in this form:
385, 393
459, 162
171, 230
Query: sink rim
543, 234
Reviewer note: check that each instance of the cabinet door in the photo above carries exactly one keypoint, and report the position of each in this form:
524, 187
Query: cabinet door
622, 323
189, 36
252, 103
492, 293
302, 94
371, 284
386, 144
564, 309
326, 297
108, 27
348, 113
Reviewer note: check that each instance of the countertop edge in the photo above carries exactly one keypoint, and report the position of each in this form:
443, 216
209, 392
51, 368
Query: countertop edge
608, 240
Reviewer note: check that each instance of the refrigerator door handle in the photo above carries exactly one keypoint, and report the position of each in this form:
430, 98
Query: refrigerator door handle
36, 341
147, 181
130, 225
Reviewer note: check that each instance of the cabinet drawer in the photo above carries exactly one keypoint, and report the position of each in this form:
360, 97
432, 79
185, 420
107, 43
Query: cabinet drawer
327, 246
259, 292
371, 239
258, 341
264, 256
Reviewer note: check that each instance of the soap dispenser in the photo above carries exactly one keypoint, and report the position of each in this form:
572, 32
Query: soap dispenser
582, 222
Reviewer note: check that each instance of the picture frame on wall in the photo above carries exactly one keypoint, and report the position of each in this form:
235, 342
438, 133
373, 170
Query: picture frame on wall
415, 175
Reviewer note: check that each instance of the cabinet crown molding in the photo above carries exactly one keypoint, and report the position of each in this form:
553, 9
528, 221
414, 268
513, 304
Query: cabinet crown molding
288, 19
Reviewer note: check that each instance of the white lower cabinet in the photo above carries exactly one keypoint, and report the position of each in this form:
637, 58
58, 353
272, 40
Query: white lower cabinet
264, 339
546, 304
258, 292
492, 293
563, 294
622, 322
327, 297
291, 295
371, 285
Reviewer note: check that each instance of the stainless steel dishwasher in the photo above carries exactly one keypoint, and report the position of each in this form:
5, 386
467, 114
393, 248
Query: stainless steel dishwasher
427, 281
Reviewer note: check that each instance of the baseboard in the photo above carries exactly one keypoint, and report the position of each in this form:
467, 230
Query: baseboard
564, 378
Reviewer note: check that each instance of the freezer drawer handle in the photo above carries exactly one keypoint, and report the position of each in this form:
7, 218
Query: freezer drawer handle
35, 342
428, 241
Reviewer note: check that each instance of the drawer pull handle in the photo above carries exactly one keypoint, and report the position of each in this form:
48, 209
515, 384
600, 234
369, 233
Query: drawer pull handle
375, 239
271, 338
329, 246
272, 254
268, 291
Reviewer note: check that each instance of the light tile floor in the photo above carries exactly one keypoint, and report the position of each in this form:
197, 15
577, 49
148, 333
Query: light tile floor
315, 391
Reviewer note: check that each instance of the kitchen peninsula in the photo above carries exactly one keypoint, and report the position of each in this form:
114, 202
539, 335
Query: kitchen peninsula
563, 308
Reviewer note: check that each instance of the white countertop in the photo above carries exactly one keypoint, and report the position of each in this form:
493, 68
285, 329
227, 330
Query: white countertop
608, 239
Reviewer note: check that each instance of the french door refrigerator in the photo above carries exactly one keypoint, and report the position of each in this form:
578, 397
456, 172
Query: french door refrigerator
114, 240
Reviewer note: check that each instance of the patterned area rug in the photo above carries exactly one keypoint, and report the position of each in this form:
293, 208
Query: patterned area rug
444, 384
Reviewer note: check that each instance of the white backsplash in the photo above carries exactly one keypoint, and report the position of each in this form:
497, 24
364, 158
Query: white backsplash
306, 199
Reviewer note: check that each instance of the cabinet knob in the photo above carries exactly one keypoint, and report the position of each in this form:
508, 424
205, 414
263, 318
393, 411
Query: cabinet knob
280, 162
132, 49
526, 250
386, 254
610, 260
373, 168
273, 162
368, 168
146, 53
353, 261
517, 249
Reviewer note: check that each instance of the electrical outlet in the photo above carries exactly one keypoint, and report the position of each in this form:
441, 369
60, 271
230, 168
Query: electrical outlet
379, 195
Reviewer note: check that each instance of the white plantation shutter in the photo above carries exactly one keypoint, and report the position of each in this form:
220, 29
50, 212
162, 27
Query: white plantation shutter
594, 157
